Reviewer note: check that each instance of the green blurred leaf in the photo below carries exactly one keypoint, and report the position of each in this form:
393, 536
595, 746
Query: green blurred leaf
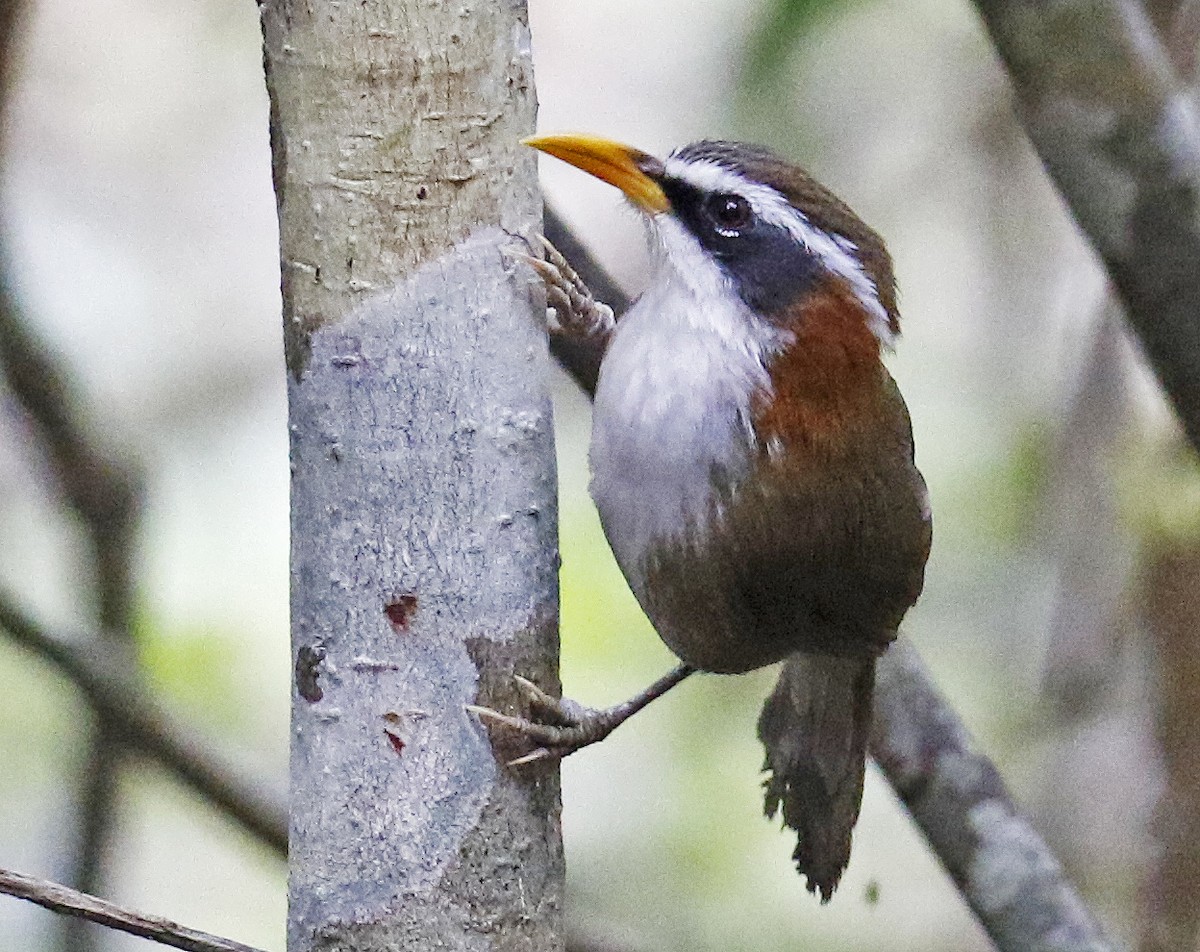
998, 500
783, 23
192, 665
1160, 493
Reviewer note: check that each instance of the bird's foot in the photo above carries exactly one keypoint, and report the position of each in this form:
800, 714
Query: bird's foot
576, 311
560, 726
557, 726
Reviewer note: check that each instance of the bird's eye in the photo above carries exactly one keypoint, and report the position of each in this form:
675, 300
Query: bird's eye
730, 213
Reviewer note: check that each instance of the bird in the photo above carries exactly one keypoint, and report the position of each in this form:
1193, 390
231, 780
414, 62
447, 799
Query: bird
752, 462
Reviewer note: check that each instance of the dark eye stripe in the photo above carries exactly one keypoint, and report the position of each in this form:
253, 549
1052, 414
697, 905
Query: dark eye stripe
767, 265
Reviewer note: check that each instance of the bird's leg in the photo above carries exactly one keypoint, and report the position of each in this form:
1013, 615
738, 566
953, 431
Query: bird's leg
576, 311
559, 726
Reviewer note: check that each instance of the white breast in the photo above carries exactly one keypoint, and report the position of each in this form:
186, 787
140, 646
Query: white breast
673, 401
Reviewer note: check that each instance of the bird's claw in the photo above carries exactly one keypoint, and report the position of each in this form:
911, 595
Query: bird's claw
558, 726
576, 311
560, 711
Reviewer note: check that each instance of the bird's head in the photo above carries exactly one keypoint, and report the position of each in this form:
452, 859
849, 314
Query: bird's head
736, 218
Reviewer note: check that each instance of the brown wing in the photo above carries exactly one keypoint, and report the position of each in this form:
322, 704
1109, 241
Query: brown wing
845, 537
822, 549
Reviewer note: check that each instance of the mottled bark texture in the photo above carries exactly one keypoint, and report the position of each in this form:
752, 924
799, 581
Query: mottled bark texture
1100, 98
424, 549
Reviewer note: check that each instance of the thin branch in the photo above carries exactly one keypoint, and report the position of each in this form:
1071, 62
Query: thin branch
1004, 871
1099, 89
97, 796
1099, 97
121, 699
104, 493
71, 902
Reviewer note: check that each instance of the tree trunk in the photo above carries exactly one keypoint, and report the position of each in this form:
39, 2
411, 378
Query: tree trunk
424, 558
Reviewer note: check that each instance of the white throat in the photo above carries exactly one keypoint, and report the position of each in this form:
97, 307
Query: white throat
673, 402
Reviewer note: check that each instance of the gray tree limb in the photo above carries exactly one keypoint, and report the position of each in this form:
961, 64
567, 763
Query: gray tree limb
424, 546
71, 902
1002, 868
1099, 97
1102, 87
121, 698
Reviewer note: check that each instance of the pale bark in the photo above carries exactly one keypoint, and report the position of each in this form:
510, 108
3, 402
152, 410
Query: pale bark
424, 557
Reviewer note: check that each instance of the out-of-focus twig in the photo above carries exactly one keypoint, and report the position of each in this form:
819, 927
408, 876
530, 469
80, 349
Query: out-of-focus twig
1100, 98
1170, 600
71, 902
1002, 868
1169, 584
107, 498
121, 698
1082, 530
103, 492
1094, 713
1101, 87
106, 495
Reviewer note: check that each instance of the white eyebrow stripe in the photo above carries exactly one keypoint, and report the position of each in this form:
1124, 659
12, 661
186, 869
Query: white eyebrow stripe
836, 252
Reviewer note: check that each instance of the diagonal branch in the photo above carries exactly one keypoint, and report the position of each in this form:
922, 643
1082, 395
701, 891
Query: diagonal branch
106, 496
104, 493
1099, 90
71, 902
1101, 101
1003, 870
121, 699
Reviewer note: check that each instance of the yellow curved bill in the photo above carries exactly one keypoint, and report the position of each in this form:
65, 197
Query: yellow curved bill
619, 165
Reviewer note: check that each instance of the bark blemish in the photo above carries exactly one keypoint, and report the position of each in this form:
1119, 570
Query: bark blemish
393, 730
400, 610
397, 728
308, 663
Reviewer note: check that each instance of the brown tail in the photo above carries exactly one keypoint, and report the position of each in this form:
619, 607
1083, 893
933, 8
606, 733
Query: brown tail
815, 727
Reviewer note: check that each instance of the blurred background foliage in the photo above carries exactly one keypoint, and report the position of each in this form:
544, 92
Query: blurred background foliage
142, 245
